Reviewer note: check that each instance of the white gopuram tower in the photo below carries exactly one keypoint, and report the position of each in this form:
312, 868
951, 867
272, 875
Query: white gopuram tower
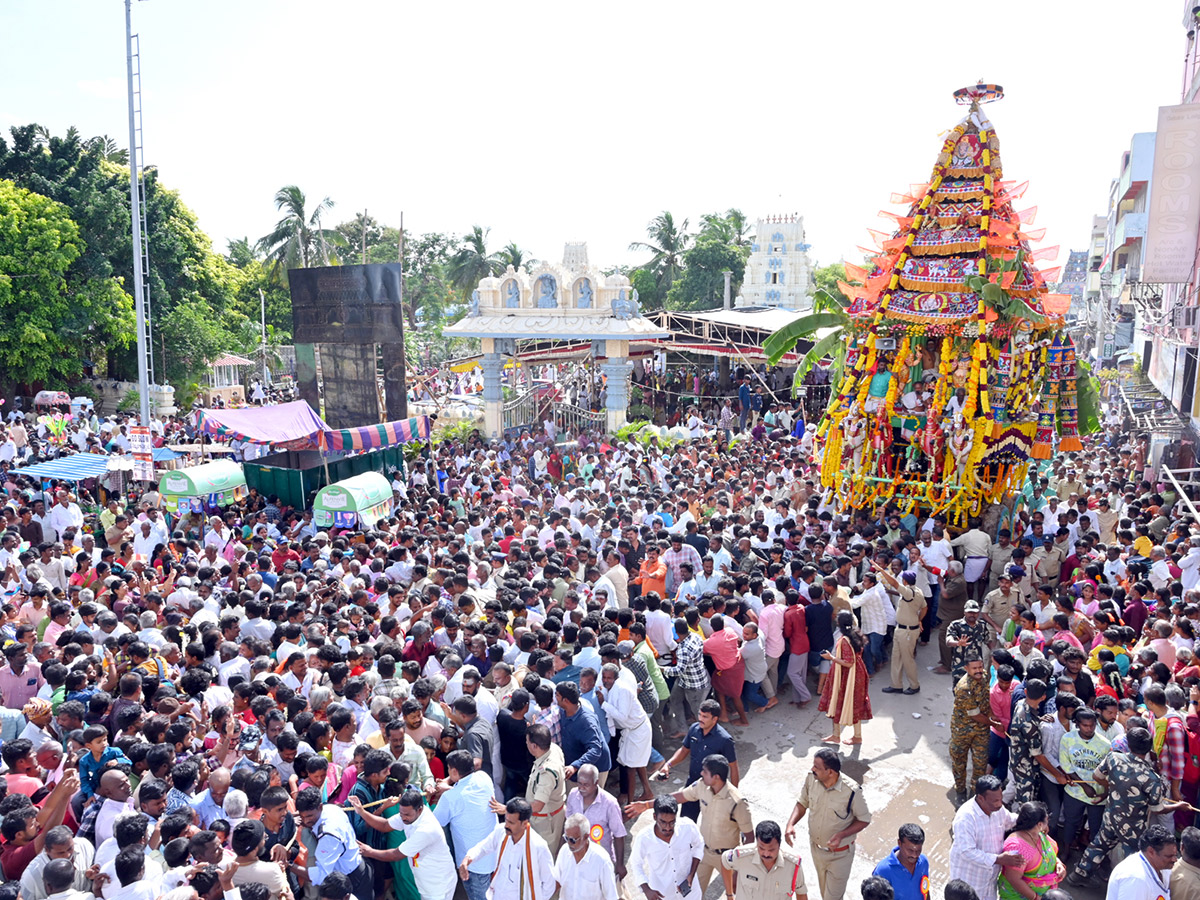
778, 271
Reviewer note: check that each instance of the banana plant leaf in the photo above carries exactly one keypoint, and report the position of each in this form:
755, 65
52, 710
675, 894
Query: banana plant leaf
1088, 395
785, 339
819, 351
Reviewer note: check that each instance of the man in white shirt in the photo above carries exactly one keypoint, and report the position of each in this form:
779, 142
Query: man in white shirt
423, 837
583, 870
665, 858
63, 515
145, 540
1145, 875
1190, 564
524, 866
977, 854
1160, 572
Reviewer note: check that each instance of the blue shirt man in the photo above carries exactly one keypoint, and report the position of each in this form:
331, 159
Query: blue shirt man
465, 809
906, 868
582, 741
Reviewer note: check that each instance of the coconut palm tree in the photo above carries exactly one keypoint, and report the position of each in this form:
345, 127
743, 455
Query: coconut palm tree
731, 228
830, 311
511, 255
667, 242
472, 263
298, 239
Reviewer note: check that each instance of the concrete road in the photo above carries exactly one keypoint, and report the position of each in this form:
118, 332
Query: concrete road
903, 765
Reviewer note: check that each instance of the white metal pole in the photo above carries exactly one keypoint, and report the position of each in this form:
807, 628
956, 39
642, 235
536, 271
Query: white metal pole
263, 298
135, 209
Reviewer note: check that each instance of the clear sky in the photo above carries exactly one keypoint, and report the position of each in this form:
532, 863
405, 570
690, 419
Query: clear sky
554, 122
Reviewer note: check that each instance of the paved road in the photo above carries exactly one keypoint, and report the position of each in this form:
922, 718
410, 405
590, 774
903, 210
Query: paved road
902, 764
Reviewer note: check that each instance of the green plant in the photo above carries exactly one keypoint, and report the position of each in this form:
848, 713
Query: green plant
460, 432
129, 402
830, 311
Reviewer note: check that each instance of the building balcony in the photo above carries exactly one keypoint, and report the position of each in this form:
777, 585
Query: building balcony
1132, 227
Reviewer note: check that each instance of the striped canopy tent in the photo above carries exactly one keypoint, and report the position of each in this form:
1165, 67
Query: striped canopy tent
372, 437
281, 424
77, 467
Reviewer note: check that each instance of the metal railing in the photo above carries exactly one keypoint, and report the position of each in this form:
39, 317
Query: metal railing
1190, 477
574, 419
521, 411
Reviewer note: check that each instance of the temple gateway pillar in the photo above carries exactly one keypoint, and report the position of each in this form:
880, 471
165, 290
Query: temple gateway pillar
617, 370
493, 395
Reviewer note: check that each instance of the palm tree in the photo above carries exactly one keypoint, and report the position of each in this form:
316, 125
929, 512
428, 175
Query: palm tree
109, 150
472, 263
830, 313
298, 240
511, 255
731, 228
667, 242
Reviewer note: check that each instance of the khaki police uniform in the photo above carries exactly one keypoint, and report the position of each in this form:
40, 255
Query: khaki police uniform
831, 810
785, 880
910, 605
547, 783
724, 818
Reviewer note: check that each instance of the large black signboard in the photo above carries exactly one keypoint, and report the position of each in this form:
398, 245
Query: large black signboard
347, 305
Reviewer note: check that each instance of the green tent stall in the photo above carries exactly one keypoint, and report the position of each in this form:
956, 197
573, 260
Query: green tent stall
218, 483
365, 498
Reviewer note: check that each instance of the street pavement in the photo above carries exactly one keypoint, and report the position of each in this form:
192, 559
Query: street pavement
903, 765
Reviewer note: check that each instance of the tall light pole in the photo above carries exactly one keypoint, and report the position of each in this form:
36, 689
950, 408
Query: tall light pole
139, 293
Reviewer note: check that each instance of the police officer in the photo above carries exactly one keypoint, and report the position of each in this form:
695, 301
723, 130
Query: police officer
909, 610
724, 813
839, 812
765, 869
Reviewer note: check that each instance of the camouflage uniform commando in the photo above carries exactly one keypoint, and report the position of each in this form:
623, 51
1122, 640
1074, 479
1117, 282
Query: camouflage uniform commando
1134, 791
967, 735
977, 646
1025, 736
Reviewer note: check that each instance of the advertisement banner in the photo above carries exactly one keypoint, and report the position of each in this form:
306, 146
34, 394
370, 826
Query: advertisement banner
141, 445
1174, 204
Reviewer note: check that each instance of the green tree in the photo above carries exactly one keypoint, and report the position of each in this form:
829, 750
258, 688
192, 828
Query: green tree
826, 278
352, 235
109, 150
733, 228
255, 276
299, 240
51, 315
650, 297
428, 287
667, 243
472, 262
702, 285
511, 255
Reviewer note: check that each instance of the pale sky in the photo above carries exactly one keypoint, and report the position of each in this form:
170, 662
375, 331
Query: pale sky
554, 122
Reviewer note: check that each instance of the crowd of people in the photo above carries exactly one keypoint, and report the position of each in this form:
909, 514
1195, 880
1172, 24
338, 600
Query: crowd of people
482, 688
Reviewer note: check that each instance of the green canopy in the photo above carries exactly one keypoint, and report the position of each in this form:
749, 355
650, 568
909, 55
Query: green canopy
218, 483
363, 498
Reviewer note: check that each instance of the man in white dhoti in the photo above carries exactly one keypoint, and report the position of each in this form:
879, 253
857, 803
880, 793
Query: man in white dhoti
524, 866
624, 712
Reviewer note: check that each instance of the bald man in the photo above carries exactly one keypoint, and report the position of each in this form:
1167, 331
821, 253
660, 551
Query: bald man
208, 803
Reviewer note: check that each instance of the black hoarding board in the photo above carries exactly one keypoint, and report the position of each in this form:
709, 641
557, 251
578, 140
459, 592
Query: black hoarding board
394, 390
348, 377
347, 304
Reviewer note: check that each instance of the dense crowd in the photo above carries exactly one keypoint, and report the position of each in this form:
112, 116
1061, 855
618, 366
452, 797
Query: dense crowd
480, 689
